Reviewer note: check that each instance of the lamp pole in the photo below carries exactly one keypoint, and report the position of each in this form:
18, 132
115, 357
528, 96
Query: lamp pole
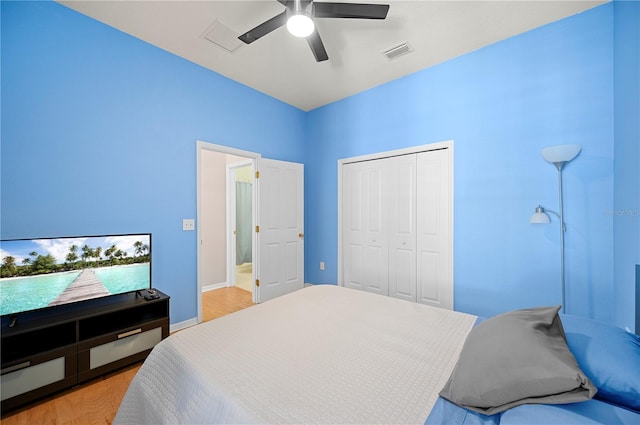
559, 166
558, 156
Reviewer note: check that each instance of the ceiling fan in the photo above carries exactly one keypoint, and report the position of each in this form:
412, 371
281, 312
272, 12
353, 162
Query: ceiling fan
299, 15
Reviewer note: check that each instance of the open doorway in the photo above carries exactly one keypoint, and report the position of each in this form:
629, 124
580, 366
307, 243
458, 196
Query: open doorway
240, 195
216, 218
277, 244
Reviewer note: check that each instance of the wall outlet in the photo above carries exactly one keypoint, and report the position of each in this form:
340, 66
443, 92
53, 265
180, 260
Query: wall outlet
321, 265
188, 224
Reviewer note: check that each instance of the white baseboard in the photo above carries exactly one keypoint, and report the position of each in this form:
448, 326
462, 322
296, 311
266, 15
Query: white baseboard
213, 286
182, 325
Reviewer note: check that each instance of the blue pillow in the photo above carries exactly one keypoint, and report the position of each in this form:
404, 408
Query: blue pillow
609, 356
590, 412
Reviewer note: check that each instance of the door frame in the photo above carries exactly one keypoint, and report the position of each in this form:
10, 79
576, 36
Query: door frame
380, 155
231, 220
251, 156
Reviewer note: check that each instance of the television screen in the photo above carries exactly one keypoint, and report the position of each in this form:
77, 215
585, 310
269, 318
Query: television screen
40, 273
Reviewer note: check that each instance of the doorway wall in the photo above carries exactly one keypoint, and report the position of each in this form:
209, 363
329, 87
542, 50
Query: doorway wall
213, 243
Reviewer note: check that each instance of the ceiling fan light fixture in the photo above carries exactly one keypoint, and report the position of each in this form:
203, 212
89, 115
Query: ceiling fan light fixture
300, 25
299, 15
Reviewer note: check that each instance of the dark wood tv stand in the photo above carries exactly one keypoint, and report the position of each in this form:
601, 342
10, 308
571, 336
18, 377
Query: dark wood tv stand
53, 349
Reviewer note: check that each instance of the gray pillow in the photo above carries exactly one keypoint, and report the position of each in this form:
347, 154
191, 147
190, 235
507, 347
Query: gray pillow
516, 358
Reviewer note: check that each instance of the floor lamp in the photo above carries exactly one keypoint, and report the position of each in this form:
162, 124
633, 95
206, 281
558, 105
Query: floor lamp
558, 156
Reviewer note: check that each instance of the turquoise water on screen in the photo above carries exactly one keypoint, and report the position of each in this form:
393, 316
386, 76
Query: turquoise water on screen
124, 278
32, 292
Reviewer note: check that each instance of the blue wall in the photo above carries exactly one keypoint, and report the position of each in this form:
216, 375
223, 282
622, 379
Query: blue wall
99, 135
99, 131
500, 105
626, 210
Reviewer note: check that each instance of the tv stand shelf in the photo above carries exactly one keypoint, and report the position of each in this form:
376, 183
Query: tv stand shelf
53, 349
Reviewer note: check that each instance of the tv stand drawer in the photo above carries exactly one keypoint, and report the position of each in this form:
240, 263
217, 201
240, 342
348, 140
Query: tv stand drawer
126, 346
106, 353
32, 377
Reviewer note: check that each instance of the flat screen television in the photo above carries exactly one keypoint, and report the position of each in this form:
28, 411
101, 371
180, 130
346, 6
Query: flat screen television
44, 273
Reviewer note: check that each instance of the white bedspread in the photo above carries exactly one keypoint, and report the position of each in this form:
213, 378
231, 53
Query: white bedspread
323, 355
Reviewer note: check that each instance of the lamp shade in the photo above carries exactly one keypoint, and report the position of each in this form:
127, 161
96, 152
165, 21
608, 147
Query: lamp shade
300, 25
560, 153
539, 217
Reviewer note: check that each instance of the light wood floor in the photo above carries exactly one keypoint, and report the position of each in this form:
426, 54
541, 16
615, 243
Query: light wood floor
97, 402
223, 301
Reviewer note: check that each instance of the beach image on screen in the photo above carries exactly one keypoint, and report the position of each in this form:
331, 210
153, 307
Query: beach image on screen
39, 273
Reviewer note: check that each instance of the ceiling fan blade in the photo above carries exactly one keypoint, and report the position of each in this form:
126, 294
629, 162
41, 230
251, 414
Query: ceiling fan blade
315, 42
264, 28
350, 10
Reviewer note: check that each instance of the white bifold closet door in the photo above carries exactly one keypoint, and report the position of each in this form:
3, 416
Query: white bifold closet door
400, 201
365, 250
396, 221
434, 243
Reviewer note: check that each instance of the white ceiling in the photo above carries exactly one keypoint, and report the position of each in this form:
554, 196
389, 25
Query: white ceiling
283, 66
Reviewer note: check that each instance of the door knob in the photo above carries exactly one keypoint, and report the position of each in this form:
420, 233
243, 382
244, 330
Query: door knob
301, 235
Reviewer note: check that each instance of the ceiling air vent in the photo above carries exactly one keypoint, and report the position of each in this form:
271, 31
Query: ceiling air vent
222, 36
399, 50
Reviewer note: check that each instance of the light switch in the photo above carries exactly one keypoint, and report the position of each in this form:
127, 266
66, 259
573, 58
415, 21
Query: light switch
188, 224
321, 265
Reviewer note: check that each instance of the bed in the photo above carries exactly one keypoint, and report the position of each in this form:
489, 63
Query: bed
323, 354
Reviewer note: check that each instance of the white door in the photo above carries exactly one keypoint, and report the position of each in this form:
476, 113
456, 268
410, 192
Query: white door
400, 197
435, 229
280, 233
365, 241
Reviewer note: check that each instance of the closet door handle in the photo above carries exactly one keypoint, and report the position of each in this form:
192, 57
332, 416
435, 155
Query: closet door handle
301, 235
